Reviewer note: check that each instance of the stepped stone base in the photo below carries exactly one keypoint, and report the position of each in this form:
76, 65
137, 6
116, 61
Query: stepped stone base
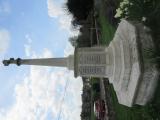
134, 75
126, 62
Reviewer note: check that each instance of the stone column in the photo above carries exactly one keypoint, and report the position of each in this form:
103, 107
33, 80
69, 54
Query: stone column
59, 62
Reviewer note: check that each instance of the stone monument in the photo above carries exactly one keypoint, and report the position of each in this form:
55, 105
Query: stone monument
124, 62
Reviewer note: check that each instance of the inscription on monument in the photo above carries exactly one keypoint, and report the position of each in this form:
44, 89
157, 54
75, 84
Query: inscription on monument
86, 70
92, 59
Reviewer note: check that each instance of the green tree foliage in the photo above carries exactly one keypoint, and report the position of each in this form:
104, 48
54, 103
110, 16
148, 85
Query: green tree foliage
79, 8
81, 11
73, 41
86, 100
82, 40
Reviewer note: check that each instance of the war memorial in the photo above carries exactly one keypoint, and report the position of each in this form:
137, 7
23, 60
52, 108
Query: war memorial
126, 62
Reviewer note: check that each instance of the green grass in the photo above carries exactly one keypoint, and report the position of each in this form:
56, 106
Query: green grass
129, 113
151, 111
154, 106
107, 30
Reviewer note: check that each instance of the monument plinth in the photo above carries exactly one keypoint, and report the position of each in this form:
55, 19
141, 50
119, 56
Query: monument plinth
93, 62
125, 62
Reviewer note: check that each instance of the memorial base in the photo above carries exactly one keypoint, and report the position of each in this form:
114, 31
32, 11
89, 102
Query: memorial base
126, 62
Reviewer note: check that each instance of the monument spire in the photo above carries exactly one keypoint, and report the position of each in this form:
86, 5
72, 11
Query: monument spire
57, 62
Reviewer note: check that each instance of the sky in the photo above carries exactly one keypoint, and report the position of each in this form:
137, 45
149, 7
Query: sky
36, 29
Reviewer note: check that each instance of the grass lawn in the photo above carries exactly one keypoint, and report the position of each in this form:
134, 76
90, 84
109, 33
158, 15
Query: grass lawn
107, 30
127, 113
152, 110
149, 112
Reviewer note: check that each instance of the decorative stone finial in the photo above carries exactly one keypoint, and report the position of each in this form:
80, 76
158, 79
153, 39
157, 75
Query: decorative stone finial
12, 61
6, 62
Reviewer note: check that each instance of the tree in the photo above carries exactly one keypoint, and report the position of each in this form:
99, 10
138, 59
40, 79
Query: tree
73, 41
79, 8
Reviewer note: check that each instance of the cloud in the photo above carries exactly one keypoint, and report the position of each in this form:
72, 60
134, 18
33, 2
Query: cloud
65, 22
69, 50
27, 50
4, 40
53, 9
5, 7
27, 46
41, 92
64, 19
28, 38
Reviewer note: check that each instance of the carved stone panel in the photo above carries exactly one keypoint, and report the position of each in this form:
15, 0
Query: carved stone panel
92, 59
91, 70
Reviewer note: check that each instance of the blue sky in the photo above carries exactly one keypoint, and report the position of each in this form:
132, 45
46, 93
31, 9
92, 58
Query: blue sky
29, 29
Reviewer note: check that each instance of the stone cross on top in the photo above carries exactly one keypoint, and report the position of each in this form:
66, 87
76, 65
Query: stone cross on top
12, 61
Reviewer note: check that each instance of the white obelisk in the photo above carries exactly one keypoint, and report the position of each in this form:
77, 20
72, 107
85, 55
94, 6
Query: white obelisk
57, 62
